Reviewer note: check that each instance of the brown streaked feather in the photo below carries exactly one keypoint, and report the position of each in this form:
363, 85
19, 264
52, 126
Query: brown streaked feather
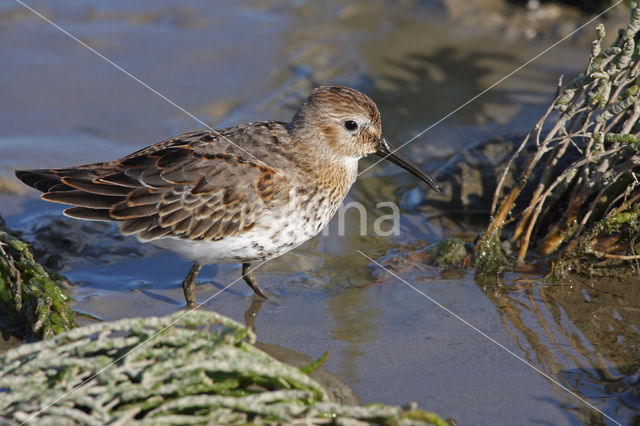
50, 184
60, 187
171, 196
216, 215
175, 176
248, 227
233, 196
153, 178
140, 162
119, 179
143, 196
31, 177
171, 157
181, 227
93, 187
153, 233
164, 209
186, 187
123, 211
42, 180
204, 186
139, 224
174, 217
88, 214
81, 199
199, 229
192, 202
213, 233
203, 212
227, 228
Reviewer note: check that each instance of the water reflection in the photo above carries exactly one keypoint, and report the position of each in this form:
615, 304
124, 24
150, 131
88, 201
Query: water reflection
439, 81
335, 386
357, 321
585, 333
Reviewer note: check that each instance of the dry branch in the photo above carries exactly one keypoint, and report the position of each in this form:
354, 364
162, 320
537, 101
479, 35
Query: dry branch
577, 198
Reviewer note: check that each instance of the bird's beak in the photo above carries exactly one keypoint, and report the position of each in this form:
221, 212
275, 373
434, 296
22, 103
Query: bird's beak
387, 151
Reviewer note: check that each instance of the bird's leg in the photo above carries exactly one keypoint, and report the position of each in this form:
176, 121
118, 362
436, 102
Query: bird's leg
251, 314
251, 279
189, 285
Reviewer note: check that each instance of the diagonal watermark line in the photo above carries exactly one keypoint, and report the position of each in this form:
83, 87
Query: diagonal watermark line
476, 329
135, 348
492, 86
127, 73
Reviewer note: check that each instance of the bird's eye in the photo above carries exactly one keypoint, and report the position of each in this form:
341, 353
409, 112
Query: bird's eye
350, 125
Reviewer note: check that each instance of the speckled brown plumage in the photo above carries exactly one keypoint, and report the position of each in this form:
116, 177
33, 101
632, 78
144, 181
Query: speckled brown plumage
240, 194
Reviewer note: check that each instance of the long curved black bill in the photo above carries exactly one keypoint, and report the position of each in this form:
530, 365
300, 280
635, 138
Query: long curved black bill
387, 151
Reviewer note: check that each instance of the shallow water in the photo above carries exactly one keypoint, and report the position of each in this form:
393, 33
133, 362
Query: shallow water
241, 61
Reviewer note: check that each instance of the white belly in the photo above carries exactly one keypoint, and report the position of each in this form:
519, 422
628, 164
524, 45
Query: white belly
274, 235
236, 249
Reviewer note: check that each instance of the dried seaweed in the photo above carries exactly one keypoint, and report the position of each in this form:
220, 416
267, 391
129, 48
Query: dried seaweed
180, 369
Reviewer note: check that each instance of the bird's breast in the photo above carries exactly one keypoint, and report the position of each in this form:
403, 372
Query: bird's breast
276, 233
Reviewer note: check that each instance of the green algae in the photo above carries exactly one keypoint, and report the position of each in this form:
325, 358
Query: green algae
32, 300
449, 252
488, 255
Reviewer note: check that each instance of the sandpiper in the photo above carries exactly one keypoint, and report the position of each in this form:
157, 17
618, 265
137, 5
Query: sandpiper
241, 194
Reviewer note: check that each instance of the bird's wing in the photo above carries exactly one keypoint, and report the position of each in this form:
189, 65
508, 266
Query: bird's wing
168, 189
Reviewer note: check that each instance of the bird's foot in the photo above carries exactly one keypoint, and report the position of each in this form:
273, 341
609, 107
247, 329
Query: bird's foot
250, 278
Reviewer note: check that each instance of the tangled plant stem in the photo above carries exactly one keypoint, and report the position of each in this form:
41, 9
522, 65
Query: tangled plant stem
581, 174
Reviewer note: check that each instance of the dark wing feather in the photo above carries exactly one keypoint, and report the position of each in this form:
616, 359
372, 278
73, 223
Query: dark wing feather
168, 189
89, 214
